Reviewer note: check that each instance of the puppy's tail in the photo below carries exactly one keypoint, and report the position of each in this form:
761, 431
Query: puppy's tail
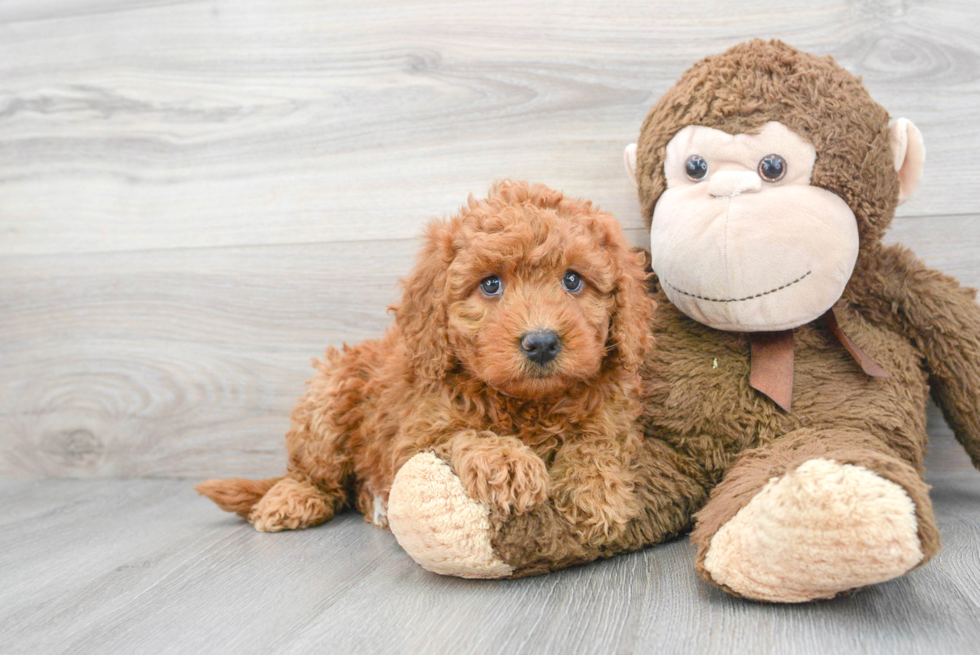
236, 495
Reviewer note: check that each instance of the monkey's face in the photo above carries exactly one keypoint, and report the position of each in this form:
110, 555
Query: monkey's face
740, 239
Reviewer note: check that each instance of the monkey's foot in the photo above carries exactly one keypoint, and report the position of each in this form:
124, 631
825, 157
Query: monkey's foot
820, 530
438, 524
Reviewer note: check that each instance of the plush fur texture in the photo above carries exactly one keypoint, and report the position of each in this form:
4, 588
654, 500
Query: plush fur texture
432, 515
712, 443
741, 90
450, 377
820, 528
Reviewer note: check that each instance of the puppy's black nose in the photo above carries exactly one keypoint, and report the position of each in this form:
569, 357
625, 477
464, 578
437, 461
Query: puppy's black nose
541, 346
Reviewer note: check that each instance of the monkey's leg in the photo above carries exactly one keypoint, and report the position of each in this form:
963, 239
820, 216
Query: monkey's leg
812, 515
448, 532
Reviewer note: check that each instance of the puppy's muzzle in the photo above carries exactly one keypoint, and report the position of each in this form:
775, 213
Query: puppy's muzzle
541, 346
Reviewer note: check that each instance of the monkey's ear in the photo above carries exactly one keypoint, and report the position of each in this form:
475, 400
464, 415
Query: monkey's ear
629, 158
910, 153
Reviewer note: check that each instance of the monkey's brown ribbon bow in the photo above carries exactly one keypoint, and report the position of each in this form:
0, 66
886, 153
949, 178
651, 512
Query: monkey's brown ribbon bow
772, 361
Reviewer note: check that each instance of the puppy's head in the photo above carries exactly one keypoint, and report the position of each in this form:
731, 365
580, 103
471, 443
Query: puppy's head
528, 291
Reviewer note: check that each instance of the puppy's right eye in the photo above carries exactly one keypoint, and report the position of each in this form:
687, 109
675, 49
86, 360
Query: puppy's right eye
572, 282
491, 286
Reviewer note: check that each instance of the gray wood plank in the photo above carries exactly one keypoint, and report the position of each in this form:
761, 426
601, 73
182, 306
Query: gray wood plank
187, 362
126, 364
191, 124
196, 196
123, 566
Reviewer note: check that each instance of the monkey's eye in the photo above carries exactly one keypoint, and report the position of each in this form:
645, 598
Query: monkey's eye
491, 286
772, 168
696, 168
571, 281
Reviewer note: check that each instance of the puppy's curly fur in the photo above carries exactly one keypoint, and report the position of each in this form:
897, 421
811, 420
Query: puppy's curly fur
451, 376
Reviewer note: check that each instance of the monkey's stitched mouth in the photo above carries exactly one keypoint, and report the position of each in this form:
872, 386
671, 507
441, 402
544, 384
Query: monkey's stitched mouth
758, 295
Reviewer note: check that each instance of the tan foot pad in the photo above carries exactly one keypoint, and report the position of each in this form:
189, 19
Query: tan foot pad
822, 529
438, 524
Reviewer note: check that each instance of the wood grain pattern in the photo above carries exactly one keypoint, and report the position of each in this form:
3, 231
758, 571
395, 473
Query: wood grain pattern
196, 197
124, 566
187, 362
132, 126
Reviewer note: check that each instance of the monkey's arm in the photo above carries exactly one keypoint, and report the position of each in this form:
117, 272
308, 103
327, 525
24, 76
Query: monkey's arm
942, 319
668, 486
443, 528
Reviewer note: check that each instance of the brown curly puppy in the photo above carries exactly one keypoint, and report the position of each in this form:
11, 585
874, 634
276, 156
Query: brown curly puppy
513, 356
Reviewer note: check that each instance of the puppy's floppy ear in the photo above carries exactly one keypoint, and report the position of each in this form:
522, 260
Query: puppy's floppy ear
421, 317
629, 331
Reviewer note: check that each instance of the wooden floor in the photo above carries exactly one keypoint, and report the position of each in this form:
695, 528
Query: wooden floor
196, 196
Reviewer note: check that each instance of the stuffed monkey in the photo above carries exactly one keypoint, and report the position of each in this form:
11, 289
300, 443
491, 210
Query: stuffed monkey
785, 399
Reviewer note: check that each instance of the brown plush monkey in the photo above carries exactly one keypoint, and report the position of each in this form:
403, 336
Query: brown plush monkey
785, 398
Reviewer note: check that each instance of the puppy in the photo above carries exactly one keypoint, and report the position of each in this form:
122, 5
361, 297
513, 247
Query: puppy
513, 356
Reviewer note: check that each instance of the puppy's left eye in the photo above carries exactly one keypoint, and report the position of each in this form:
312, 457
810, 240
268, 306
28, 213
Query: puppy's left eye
572, 282
491, 286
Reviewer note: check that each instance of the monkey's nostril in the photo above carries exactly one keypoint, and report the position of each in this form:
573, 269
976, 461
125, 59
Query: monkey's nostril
541, 346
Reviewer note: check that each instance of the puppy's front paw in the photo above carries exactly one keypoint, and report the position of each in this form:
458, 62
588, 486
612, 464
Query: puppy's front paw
501, 472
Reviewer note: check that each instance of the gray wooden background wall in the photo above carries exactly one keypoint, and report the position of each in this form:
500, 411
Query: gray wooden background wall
198, 196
